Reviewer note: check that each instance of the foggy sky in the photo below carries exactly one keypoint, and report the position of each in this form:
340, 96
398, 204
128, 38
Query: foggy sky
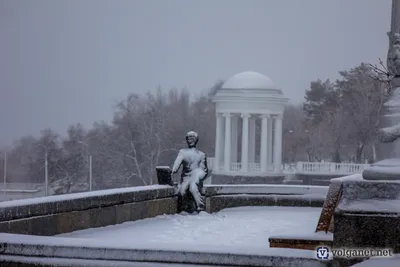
69, 61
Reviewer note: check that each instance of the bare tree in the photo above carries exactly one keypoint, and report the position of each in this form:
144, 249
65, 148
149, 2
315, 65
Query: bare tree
362, 99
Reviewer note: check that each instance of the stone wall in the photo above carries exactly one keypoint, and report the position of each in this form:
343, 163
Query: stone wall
239, 179
219, 197
67, 213
316, 179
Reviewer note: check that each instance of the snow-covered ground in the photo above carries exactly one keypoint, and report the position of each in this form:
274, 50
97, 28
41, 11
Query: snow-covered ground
240, 227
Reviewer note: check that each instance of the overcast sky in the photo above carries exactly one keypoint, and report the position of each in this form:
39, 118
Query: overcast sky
68, 61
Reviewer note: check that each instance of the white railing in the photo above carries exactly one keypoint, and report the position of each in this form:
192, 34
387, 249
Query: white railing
329, 167
301, 167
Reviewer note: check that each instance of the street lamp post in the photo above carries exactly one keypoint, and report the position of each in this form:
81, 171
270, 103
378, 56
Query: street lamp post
46, 170
90, 165
90, 172
46, 173
5, 174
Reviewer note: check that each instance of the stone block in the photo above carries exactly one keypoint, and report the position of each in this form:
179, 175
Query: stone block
123, 213
22, 226
316, 203
72, 221
161, 206
292, 201
367, 230
102, 216
217, 203
139, 211
4, 227
364, 189
227, 179
43, 225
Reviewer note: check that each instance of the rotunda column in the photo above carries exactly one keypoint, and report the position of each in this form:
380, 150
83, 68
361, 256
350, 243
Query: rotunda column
227, 148
252, 139
269, 143
278, 143
234, 138
245, 142
264, 143
218, 141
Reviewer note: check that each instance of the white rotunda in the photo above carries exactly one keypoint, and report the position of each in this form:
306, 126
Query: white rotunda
246, 102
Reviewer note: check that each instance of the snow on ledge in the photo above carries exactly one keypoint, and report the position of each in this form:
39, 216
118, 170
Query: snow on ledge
353, 177
92, 248
381, 262
312, 236
372, 205
267, 185
211, 190
99, 193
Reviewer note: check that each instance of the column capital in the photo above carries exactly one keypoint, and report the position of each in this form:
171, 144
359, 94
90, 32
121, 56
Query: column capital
245, 115
227, 115
265, 116
278, 116
218, 115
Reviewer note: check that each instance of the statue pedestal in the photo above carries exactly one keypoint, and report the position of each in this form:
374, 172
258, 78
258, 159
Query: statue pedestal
367, 216
387, 170
186, 203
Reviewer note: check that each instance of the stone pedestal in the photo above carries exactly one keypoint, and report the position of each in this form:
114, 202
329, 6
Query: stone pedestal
367, 216
386, 170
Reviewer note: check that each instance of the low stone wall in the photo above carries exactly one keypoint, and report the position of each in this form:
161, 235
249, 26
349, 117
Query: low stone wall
67, 213
219, 197
241, 179
317, 179
81, 252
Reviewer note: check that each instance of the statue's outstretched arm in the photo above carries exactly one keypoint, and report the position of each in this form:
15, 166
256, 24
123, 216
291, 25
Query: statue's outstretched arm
177, 163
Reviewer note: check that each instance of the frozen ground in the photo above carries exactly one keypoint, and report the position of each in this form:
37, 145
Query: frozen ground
237, 227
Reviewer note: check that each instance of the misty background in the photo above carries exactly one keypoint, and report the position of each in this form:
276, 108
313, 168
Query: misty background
64, 62
108, 89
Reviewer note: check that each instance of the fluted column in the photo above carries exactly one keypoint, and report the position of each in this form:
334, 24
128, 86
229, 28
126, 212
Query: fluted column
227, 148
245, 142
269, 143
264, 143
234, 139
278, 143
252, 139
219, 139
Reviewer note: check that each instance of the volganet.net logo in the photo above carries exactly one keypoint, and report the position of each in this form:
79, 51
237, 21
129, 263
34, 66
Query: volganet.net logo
327, 253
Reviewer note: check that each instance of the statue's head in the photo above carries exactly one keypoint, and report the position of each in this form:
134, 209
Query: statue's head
192, 138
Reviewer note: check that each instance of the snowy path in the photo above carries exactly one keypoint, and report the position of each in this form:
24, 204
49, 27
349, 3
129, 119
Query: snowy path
240, 227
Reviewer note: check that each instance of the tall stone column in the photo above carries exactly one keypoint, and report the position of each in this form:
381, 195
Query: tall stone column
234, 140
278, 143
252, 139
227, 148
245, 142
219, 141
269, 141
264, 143
391, 110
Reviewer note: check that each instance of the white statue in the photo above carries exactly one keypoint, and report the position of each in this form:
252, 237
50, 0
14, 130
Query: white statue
194, 169
393, 57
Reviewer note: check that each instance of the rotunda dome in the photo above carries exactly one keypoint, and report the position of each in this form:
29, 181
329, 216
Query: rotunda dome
249, 80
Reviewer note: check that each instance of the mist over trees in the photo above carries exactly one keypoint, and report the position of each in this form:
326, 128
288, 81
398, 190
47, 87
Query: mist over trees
338, 121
